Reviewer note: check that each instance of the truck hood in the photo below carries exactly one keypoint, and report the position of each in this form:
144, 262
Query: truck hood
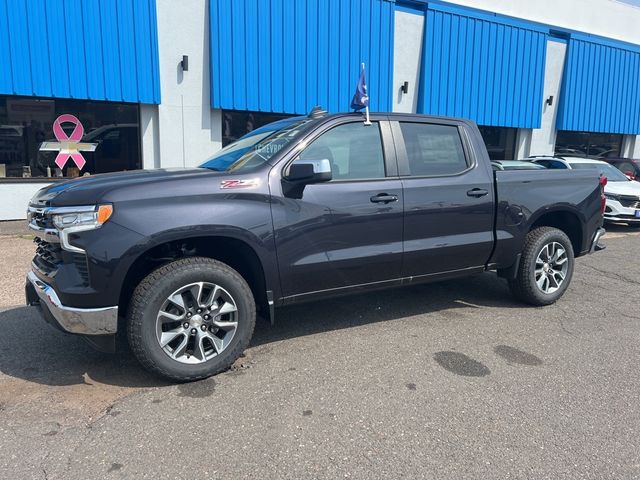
623, 188
92, 189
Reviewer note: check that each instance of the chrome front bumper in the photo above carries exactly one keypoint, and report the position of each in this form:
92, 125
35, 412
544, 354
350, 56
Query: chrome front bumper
82, 321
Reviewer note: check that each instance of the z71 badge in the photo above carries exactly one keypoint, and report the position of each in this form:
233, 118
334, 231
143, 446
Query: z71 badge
239, 183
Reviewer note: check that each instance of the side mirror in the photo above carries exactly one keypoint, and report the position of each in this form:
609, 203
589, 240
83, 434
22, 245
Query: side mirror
305, 172
309, 171
631, 175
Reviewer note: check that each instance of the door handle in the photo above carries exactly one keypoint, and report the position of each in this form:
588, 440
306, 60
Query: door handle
477, 192
384, 198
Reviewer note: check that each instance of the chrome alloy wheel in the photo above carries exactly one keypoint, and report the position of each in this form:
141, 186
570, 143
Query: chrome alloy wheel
552, 265
197, 322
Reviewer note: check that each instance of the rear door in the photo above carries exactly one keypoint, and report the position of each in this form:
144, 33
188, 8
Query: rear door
448, 196
346, 232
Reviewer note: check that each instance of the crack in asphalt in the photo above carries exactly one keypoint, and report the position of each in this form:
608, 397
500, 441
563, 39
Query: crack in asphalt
612, 275
561, 320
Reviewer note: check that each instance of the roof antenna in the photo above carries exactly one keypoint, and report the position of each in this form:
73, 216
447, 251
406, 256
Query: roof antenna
317, 112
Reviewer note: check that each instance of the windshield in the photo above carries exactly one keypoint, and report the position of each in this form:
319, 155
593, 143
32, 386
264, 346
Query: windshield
612, 173
257, 147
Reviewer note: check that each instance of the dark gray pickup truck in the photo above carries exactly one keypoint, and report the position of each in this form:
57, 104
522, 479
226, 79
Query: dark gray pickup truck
301, 209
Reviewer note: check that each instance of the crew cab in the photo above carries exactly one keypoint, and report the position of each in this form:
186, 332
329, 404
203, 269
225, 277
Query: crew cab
302, 209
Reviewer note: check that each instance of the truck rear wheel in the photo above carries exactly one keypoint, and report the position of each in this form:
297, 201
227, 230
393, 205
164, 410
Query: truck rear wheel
191, 318
546, 267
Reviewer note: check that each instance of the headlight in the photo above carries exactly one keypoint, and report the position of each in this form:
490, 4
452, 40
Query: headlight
611, 196
82, 217
73, 220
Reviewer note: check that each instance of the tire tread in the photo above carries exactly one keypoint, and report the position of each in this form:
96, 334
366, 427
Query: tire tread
139, 302
522, 287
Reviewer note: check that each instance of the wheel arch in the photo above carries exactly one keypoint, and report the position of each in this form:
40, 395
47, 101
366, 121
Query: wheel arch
233, 251
566, 220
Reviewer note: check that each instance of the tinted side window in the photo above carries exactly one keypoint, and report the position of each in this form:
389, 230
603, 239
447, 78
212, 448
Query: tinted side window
626, 167
554, 164
354, 150
433, 149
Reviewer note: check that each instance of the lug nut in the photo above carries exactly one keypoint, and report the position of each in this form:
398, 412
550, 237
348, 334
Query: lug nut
207, 317
185, 324
188, 314
193, 331
199, 310
203, 328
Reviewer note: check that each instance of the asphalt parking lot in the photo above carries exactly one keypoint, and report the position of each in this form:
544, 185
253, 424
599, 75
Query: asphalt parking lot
449, 380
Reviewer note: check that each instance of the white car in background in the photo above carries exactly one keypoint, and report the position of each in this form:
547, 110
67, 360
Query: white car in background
623, 194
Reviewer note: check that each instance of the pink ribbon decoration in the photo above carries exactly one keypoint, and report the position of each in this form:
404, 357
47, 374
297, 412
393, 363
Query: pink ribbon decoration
70, 142
68, 146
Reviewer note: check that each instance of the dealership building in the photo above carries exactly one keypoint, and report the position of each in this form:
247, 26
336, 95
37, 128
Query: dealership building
164, 83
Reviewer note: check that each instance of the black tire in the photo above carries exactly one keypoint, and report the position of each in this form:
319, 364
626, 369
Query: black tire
633, 225
148, 298
524, 286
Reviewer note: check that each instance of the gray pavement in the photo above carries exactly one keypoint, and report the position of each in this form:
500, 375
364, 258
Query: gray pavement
449, 380
14, 227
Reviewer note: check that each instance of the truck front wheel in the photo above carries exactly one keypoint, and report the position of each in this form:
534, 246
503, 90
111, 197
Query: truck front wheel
546, 267
191, 318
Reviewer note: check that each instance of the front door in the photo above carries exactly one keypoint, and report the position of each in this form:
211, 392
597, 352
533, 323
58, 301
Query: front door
449, 209
348, 231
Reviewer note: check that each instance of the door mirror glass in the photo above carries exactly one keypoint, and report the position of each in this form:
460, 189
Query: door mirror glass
310, 171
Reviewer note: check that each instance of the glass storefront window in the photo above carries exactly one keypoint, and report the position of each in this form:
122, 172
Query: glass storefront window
26, 122
236, 124
500, 142
585, 144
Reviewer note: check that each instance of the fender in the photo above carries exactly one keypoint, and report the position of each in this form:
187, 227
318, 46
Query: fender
555, 208
262, 250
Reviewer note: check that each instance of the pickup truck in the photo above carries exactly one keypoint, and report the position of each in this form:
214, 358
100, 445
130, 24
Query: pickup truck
182, 260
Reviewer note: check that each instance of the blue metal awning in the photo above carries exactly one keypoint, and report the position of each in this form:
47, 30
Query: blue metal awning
600, 91
482, 66
287, 56
98, 50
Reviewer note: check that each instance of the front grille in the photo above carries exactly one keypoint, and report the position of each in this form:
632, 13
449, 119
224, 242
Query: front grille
48, 256
630, 201
40, 219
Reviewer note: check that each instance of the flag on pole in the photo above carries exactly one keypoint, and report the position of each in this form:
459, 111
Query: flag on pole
360, 98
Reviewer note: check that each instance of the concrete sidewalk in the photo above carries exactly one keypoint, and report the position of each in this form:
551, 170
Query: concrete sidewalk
14, 227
